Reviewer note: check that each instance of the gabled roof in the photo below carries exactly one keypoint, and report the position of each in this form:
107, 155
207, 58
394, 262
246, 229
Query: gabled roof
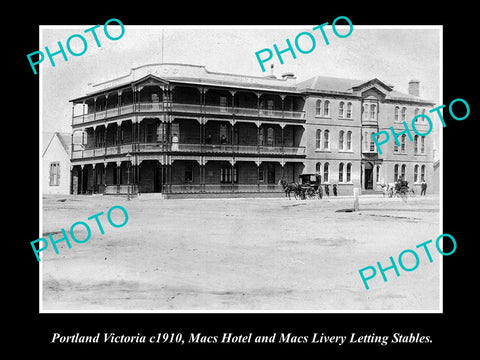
334, 85
64, 138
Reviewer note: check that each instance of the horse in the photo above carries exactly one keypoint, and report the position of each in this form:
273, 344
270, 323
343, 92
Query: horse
388, 189
289, 188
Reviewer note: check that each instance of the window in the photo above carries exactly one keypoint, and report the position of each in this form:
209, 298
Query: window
270, 136
340, 172
341, 109
223, 133
365, 141
54, 173
325, 172
349, 110
372, 143
228, 174
402, 143
422, 176
326, 108
395, 172
397, 113
415, 145
261, 138
318, 108
349, 172
326, 136
318, 140
223, 103
404, 113
404, 167
415, 173
340, 140
395, 146
366, 113
373, 111
318, 167
261, 174
422, 146
349, 140
416, 111
270, 107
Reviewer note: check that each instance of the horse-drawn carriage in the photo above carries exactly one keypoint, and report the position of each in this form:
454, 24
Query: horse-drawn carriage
308, 187
399, 188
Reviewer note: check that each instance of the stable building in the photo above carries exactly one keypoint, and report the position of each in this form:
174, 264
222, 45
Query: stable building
56, 163
176, 128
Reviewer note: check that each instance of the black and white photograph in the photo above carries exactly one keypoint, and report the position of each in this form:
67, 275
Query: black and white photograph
287, 185
245, 190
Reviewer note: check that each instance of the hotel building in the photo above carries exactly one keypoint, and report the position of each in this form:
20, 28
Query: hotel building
176, 128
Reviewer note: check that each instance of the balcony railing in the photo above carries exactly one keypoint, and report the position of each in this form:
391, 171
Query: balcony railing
184, 147
224, 188
187, 108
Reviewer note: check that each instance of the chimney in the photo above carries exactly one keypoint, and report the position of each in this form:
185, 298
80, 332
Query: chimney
414, 87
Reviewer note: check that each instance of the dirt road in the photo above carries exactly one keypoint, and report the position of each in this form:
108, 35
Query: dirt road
240, 254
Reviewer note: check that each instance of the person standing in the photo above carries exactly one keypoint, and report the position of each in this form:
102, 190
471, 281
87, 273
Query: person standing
335, 189
424, 188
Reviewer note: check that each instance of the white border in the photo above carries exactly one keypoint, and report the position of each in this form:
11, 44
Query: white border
40, 74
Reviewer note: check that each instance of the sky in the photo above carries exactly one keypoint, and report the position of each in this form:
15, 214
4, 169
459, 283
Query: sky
393, 54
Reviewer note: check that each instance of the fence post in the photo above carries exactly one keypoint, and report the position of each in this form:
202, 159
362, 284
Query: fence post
356, 192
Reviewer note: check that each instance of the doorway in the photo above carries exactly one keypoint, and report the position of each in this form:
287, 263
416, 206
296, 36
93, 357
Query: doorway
368, 176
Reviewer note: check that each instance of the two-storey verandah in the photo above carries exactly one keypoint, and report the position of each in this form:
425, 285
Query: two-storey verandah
186, 138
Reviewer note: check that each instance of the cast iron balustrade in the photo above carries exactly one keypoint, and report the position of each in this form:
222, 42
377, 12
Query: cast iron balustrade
146, 107
185, 147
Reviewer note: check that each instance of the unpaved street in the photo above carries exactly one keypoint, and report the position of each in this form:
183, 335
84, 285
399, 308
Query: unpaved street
240, 254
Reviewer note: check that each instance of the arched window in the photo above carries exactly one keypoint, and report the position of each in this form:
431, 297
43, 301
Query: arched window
415, 144
395, 146
340, 172
340, 139
372, 143
397, 113
422, 174
318, 139
395, 172
318, 108
366, 113
402, 143
365, 141
318, 167
326, 108
326, 138
373, 111
404, 113
270, 136
349, 140
416, 111
404, 168
341, 109
349, 110
422, 146
325, 172
349, 172
415, 173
